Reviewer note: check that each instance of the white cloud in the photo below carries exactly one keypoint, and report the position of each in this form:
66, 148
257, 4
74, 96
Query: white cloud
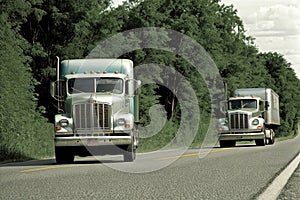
274, 24
280, 18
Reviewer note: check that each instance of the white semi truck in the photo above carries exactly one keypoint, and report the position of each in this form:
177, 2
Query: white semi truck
252, 114
97, 109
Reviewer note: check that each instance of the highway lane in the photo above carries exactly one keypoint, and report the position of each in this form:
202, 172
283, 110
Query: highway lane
233, 173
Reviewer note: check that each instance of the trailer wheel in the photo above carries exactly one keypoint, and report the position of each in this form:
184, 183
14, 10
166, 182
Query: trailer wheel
63, 155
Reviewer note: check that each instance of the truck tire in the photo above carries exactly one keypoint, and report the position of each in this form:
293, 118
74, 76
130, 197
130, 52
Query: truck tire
63, 155
130, 153
232, 143
272, 137
223, 143
227, 143
261, 142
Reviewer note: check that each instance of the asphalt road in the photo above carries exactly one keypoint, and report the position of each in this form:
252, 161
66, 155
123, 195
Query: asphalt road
242, 172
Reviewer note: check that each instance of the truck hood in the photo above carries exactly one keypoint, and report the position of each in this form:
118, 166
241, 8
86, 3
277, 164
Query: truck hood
240, 112
252, 113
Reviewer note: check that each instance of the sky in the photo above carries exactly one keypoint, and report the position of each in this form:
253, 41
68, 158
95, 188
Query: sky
274, 24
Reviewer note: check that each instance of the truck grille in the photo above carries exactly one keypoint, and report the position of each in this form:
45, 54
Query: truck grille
239, 121
91, 116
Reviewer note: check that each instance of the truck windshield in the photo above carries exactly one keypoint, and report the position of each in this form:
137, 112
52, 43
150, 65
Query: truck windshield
90, 85
242, 104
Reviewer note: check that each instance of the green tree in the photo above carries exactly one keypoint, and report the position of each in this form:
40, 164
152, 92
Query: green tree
59, 28
23, 132
286, 84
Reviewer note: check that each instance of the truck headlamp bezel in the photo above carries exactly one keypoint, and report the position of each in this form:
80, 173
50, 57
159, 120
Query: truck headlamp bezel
255, 122
64, 123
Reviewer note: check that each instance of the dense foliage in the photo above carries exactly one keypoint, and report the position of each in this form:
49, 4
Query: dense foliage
24, 133
34, 32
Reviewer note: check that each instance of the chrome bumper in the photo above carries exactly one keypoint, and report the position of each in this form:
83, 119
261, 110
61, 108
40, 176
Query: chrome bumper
92, 141
241, 136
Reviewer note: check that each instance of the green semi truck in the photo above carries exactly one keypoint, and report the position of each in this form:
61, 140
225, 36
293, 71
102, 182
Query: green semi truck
98, 110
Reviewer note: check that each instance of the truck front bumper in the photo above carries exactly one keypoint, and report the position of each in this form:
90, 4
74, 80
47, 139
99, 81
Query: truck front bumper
92, 141
241, 135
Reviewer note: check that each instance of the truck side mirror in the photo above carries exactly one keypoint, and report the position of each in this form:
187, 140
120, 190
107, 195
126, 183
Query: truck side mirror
57, 89
267, 105
223, 106
136, 84
53, 89
127, 87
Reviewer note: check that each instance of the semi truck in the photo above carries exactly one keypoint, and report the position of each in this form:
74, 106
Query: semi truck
251, 114
97, 109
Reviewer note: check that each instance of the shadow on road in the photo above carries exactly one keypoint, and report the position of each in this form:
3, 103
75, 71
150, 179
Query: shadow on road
47, 162
242, 145
29, 163
96, 161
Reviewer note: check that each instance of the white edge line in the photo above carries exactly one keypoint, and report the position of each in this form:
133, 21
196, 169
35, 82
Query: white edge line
274, 189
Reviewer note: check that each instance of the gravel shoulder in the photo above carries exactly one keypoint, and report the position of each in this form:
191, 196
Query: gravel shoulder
292, 189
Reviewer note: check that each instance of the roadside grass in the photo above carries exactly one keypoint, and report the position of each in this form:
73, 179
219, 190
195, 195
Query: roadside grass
34, 143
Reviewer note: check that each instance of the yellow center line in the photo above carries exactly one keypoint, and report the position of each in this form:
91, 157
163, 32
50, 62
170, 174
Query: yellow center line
194, 154
165, 158
43, 168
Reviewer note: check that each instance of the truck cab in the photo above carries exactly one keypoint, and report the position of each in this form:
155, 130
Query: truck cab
97, 109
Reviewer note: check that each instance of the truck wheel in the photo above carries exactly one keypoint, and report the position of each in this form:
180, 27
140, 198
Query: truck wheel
227, 143
272, 137
130, 153
261, 142
63, 155
223, 143
232, 143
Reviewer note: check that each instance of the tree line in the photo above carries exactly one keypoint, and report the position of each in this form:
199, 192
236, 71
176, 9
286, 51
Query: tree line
34, 32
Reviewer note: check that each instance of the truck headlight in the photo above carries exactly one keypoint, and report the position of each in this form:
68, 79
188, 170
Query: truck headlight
121, 121
255, 122
61, 124
64, 122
